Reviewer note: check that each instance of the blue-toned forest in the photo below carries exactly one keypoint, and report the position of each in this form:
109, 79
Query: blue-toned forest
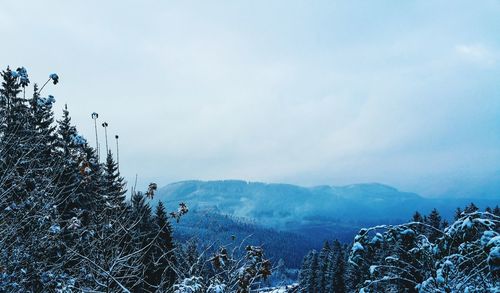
70, 223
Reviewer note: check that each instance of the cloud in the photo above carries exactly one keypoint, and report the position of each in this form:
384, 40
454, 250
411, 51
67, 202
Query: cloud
324, 93
478, 54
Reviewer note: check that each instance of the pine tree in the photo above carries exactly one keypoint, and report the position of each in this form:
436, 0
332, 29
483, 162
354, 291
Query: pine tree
69, 174
304, 272
192, 257
163, 252
458, 213
471, 208
313, 275
55, 229
434, 220
8, 100
337, 266
25, 181
43, 125
280, 272
16, 142
324, 264
91, 200
417, 217
332, 263
114, 187
496, 211
455, 262
338, 277
142, 235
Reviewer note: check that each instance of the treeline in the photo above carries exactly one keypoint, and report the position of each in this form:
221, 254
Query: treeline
65, 223
426, 254
324, 271
211, 227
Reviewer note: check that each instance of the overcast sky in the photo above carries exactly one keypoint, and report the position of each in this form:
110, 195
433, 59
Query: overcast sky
405, 93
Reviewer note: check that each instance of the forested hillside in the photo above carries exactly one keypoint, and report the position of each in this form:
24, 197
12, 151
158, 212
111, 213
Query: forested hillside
321, 212
209, 228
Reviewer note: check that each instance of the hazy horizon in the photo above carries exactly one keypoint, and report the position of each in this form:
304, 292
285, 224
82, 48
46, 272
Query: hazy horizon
331, 93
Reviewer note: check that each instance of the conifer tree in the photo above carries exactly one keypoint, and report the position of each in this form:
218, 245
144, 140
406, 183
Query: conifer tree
304, 272
55, 230
338, 277
464, 259
444, 224
16, 143
142, 236
114, 187
69, 175
281, 272
91, 200
471, 208
44, 129
496, 211
163, 252
458, 214
314, 271
192, 257
434, 220
417, 217
324, 262
336, 256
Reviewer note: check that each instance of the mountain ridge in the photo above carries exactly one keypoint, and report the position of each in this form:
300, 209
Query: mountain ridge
279, 203
323, 211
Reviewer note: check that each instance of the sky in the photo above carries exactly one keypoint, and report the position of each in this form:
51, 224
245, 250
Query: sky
405, 93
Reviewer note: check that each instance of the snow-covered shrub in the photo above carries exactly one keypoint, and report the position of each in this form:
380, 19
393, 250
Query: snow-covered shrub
217, 287
189, 285
464, 258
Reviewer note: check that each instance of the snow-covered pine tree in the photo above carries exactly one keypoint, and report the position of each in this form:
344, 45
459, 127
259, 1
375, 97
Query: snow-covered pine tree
465, 258
113, 191
280, 273
55, 232
338, 276
496, 211
313, 274
458, 213
69, 174
417, 217
28, 222
336, 268
91, 200
471, 208
43, 125
143, 235
189, 262
324, 262
163, 257
16, 143
304, 272
434, 223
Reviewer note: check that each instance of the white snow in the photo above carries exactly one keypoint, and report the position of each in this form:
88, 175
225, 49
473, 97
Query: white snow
55, 229
467, 224
487, 237
357, 246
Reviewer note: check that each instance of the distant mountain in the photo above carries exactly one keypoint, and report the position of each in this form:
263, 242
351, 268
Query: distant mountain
322, 211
